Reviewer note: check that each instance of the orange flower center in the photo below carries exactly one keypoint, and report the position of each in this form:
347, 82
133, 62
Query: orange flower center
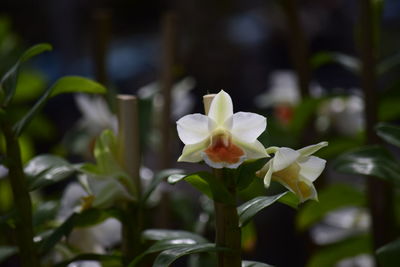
222, 149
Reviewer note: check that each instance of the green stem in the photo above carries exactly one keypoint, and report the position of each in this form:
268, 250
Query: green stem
228, 233
131, 232
22, 200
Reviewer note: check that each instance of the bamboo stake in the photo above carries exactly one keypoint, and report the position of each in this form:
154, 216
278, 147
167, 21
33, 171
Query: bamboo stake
169, 32
128, 137
379, 192
227, 230
298, 45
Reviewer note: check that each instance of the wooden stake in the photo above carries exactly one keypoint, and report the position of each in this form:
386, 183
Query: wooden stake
128, 138
169, 37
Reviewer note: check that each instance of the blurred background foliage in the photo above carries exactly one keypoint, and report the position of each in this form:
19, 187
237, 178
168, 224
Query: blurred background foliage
251, 50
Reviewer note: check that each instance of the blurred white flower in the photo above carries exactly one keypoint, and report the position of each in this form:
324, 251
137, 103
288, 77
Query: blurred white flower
295, 169
96, 115
283, 89
182, 100
222, 139
3, 171
344, 114
94, 239
340, 224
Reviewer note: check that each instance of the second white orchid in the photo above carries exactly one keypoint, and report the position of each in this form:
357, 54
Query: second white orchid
222, 139
295, 169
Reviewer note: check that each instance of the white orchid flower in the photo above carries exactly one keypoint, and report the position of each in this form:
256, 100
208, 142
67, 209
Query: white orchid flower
221, 139
295, 169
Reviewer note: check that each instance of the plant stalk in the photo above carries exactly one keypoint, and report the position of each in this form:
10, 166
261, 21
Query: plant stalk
228, 232
22, 201
379, 192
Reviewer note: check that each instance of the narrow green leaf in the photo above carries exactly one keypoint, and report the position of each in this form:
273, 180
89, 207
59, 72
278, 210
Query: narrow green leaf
159, 177
320, 59
45, 170
92, 257
249, 209
206, 183
254, 264
164, 245
389, 254
369, 160
8, 83
290, 199
330, 198
246, 173
67, 84
76, 84
6, 252
160, 234
329, 255
35, 50
167, 257
389, 132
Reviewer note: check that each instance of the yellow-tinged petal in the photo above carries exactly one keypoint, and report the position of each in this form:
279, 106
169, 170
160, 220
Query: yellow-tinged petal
253, 150
192, 153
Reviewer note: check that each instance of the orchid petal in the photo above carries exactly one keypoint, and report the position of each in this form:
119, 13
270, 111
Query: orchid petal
284, 157
306, 190
221, 108
309, 150
193, 128
248, 126
268, 175
192, 153
221, 164
253, 150
311, 167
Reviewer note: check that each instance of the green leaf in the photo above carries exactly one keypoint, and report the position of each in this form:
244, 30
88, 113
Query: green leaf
76, 84
91, 257
8, 83
167, 257
389, 254
330, 198
45, 212
369, 160
254, 264
390, 133
329, 255
160, 234
6, 252
246, 173
67, 84
389, 108
206, 183
388, 64
352, 64
164, 245
45, 170
159, 177
249, 209
290, 199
